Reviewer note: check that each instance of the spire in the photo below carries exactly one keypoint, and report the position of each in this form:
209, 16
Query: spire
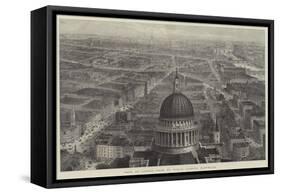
176, 82
177, 73
216, 125
72, 117
216, 133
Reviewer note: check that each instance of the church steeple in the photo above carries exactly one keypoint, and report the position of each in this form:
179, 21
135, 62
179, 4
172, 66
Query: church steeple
176, 88
72, 117
216, 133
216, 126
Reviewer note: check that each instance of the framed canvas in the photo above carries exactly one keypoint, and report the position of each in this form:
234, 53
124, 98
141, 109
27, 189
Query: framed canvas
126, 96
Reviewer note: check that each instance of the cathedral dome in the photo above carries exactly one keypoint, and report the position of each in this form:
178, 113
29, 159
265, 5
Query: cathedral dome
176, 106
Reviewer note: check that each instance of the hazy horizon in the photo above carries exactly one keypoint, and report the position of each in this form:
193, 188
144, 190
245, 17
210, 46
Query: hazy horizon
158, 30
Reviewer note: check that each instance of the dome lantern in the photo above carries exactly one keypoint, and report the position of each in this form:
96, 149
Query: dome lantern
176, 87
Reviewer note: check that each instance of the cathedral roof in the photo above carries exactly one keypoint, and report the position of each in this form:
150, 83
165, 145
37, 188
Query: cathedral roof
176, 106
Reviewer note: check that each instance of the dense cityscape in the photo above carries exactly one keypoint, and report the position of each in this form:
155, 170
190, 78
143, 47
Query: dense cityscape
113, 93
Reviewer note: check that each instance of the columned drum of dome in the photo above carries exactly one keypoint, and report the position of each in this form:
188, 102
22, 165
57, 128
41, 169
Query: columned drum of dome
177, 132
176, 137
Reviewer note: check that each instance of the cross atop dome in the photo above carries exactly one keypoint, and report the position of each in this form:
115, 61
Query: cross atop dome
176, 88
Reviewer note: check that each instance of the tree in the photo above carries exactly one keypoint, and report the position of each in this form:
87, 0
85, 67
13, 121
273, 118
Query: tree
121, 162
102, 166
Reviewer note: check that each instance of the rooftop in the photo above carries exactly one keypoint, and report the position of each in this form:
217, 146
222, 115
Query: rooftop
241, 144
260, 122
108, 139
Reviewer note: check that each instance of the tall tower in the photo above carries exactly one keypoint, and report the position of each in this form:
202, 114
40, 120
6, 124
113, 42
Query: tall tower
146, 88
72, 117
216, 133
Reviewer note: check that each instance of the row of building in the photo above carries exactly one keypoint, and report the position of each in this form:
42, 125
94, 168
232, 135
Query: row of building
232, 74
125, 91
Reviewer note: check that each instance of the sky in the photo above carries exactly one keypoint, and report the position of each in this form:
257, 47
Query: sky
144, 29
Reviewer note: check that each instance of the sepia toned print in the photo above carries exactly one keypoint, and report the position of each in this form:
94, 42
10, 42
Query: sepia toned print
145, 97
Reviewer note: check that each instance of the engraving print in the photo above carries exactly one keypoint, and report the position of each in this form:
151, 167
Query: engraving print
137, 94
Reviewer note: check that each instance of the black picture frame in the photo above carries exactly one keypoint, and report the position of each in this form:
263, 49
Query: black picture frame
43, 95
